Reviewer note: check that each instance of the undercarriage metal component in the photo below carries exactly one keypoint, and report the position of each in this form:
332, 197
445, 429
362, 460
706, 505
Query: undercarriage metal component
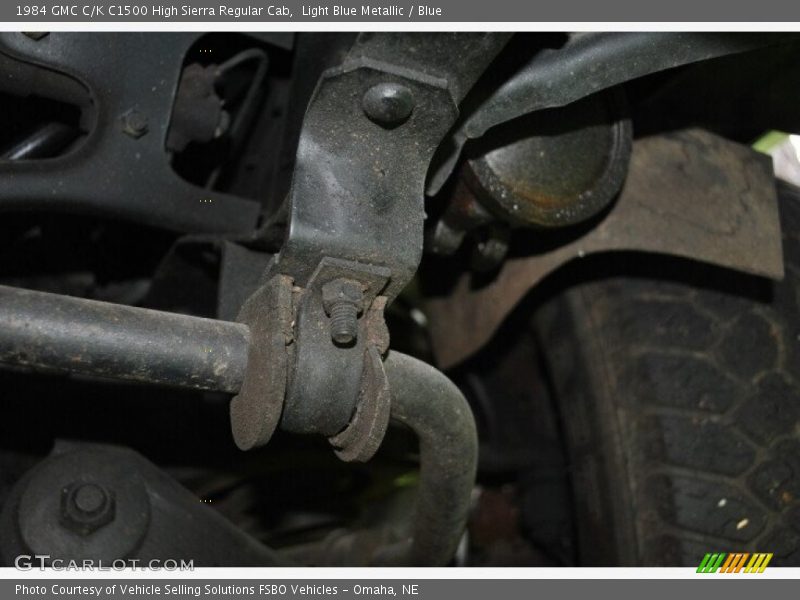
356, 212
91, 501
143, 345
689, 193
198, 113
117, 170
555, 168
356, 202
428, 403
363, 435
358, 186
51, 331
436, 410
325, 380
47, 140
586, 64
256, 409
551, 168
590, 62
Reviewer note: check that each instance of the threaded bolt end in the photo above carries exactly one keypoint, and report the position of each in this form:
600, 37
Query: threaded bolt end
344, 323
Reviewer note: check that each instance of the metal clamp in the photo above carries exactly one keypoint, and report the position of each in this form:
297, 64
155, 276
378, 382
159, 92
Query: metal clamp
356, 231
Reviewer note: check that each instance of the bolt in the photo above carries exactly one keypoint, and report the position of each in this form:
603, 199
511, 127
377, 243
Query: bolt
388, 104
344, 323
490, 252
342, 300
86, 507
89, 498
134, 123
36, 35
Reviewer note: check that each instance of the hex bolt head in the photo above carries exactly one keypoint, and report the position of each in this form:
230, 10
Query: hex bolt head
86, 507
388, 104
342, 300
134, 123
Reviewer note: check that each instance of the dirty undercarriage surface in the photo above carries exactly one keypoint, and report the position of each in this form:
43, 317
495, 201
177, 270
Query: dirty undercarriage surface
476, 299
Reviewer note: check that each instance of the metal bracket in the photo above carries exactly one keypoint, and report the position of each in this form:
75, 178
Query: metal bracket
356, 222
358, 185
325, 379
356, 216
367, 140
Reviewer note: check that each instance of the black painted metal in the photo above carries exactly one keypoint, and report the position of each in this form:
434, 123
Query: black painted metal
47, 140
586, 64
76, 335
146, 515
358, 186
425, 400
112, 172
49, 331
590, 62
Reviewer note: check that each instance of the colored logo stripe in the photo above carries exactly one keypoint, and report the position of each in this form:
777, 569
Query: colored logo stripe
710, 563
734, 562
758, 563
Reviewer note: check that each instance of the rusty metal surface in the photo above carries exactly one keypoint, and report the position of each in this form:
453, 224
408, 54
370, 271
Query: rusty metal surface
555, 168
256, 410
689, 193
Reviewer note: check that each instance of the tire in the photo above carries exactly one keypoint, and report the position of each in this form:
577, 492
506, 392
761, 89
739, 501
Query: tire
680, 401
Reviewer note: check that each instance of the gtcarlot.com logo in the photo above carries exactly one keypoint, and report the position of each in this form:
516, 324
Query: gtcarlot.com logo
26, 562
735, 562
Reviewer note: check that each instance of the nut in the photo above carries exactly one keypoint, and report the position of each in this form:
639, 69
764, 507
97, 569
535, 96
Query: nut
134, 123
86, 507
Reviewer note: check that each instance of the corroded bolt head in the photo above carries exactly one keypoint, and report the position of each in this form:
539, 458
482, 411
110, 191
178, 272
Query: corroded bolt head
342, 300
86, 507
388, 104
134, 123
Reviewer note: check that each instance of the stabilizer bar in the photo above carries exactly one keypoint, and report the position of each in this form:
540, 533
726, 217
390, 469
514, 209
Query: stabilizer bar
63, 333
76, 335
